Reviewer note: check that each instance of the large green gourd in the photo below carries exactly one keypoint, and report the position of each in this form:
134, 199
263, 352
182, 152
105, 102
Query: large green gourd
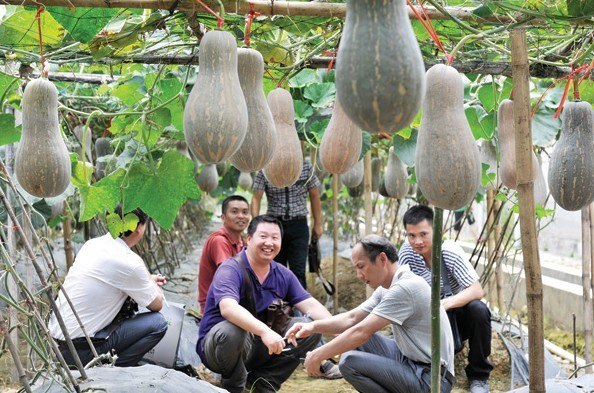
447, 161
286, 164
571, 169
395, 178
215, 116
42, 161
341, 144
380, 75
260, 141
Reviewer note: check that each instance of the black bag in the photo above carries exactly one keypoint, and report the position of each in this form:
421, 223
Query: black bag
447, 292
314, 259
278, 315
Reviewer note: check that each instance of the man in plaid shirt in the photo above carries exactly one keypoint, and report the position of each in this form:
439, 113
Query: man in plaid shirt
289, 206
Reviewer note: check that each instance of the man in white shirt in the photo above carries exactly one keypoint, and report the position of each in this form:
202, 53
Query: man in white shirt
105, 273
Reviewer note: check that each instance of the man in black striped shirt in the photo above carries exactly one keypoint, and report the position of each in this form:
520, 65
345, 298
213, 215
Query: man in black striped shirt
473, 316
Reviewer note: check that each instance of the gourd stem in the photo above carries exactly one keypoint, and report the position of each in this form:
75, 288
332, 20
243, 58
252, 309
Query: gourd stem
436, 301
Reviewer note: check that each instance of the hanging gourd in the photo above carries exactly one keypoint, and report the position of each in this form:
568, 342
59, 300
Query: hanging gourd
382, 188
286, 164
571, 169
447, 160
215, 116
396, 176
489, 157
341, 144
354, 176
42, 161
245, 180
102, 149
208, 179
258, 146
380, 75
84, 138
222, 168
182, 148
356, 192
507, 146
376, 173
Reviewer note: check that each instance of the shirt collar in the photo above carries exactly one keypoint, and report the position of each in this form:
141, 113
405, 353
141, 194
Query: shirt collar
402, 270
229, 236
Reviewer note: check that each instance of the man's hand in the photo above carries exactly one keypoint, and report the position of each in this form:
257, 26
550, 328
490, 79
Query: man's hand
318, 230
447, 303
299, 330
159, 279
313, 363
273, 341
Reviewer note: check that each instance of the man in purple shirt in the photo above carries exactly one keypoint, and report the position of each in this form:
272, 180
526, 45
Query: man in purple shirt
237, 344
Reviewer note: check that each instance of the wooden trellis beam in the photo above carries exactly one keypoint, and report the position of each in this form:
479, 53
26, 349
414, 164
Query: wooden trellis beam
264, 7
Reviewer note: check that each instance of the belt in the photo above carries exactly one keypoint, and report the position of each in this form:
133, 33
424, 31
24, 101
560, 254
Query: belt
290, 218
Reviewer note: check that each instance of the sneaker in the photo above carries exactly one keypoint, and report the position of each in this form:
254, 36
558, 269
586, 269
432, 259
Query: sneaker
330, 370
479, 386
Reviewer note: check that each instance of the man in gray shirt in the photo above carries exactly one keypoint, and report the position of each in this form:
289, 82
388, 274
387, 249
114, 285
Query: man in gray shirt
372, 362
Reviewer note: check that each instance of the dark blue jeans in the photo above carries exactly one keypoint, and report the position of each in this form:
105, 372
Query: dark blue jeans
130, 341
294, 248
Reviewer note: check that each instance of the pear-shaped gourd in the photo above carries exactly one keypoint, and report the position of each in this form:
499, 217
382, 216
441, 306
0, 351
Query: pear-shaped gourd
42, 162
222, 168
245, 180
102, 149
208, 179
447, 160
215, 116
380, 75
182, 148
341, 144
85, 138
489, 157
286, 164
507, 146
354, 176
382, 188
571, 169
376, 173
258, 146
395, 178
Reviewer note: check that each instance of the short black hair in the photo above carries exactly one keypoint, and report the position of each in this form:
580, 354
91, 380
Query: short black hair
142, 217
375, 245
253, 226
417, 214
232, 198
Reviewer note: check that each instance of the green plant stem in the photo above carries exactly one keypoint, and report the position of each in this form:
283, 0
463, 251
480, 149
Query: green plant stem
436, 301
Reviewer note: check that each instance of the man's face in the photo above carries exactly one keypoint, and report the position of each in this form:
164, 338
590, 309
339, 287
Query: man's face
368, 272
237, 216
265, 242
420, 237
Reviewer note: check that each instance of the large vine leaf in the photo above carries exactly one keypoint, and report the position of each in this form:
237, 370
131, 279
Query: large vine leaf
302, 111
99, 197
321, 94
162, 192
20, 29
84, 22
405, 145
8, 132
305, 77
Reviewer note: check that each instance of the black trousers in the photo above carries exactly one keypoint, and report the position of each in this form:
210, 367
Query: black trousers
474, 324
294, 247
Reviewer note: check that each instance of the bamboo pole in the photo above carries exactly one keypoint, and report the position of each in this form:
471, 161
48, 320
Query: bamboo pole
526, 203
368, 203
436, 301
263, 7
499, 265
335, 240
491, 245
14, 352
587, 280
67, 235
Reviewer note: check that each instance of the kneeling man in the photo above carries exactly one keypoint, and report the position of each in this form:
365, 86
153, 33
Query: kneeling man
372, 362
238, 344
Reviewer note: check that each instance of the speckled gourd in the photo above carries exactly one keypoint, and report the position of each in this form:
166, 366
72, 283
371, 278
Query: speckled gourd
341, 144
215, 116
286, 164
42, 161
395, 177
571, 168
102, 148
489, 157
208, 179
507, 146
86, 139
447, 160
380, 75
245, 180
354, 176
257, 148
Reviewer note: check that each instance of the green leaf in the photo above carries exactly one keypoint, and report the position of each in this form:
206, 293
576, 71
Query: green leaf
7, 82
501, 197
586, 91
544, 127
302, 111
365, 143
8, 132
404, 147
580, 7
161, 193
487, 177
542, 212
318, 128
482, 11
320, 94
102, 196
480, 129
117, 226
129, 92
82, 173
20, 29
84, 23
486, 95
305, 77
